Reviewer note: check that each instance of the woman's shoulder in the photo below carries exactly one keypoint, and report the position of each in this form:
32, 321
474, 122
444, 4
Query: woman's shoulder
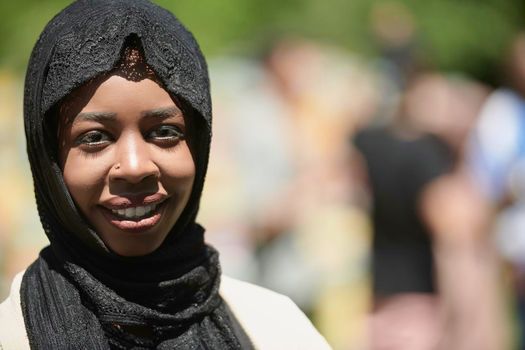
13, 333
270, 319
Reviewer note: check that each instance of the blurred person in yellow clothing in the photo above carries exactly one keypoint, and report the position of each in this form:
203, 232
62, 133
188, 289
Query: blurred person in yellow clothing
308, 238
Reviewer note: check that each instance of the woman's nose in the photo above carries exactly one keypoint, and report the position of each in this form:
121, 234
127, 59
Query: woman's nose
133, 161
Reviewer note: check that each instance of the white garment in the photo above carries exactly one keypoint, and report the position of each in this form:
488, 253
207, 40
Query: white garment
496, 142
271, 321
496, 160
13, 333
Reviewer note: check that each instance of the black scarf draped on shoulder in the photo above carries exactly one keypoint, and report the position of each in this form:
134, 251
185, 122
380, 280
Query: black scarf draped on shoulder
78, 294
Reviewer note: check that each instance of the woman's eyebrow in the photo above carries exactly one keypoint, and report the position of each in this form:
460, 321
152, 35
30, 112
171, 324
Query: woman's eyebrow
162, 113
96, 116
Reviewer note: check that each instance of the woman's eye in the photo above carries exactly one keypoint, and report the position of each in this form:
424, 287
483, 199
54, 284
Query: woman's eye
167, 133
93, 138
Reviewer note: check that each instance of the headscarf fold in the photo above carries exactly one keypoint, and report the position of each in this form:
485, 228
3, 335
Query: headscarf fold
78, 294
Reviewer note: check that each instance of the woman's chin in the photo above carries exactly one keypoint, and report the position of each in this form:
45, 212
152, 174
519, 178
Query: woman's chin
134, 247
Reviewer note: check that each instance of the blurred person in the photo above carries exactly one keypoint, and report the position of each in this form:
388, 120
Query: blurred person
309, 241
459, 219
428, 215
118, 128
496, 161
292, 205
321, 227
401, 160
472, 308
240, 187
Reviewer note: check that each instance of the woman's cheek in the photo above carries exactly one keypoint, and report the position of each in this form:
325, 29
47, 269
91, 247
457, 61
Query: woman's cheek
178, 169
85, 178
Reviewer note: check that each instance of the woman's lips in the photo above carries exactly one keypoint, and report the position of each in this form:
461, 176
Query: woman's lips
140, 224
123, 202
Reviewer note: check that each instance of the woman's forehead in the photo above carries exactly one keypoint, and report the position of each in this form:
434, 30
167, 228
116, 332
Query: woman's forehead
117, 95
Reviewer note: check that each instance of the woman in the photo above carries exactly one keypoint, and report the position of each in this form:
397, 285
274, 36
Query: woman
118, 126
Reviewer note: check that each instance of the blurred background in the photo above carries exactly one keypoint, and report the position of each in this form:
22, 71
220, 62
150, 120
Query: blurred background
368, 160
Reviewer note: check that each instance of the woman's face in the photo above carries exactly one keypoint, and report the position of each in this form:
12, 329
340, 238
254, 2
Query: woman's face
126, 161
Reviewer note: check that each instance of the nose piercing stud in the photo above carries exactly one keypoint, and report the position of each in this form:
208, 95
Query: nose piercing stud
117, 166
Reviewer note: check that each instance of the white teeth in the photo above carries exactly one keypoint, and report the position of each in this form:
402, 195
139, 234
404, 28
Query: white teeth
136, 212
130, 212
139, 211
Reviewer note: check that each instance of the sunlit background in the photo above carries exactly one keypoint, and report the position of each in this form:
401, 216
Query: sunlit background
325, 110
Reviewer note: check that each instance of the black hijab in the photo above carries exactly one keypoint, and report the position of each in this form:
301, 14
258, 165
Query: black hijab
78, 294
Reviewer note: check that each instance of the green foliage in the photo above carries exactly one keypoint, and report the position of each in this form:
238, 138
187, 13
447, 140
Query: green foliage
465, 35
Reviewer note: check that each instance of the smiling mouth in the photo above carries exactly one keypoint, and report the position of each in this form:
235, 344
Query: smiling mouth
135, 213
135, 219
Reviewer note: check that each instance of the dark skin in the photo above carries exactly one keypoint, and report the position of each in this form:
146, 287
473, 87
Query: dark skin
127, 163
124, 149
